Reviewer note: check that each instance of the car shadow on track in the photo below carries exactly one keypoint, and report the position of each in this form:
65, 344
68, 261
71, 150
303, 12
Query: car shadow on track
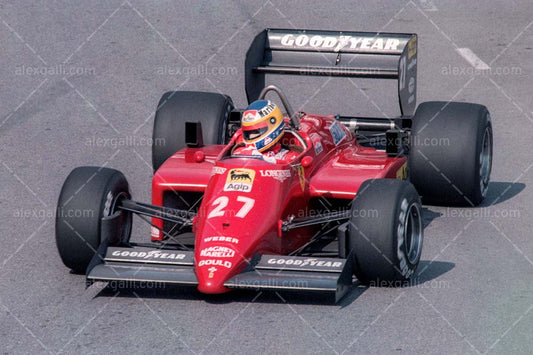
500, 191
236, 296
428, 216
428, 271
425, 277
497, 193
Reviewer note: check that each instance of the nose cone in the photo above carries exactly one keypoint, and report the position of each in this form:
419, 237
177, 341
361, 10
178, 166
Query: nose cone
216, 264
238, 218
208, 283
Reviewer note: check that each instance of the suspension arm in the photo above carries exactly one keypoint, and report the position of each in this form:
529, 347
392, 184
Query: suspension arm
165, 213
293, 223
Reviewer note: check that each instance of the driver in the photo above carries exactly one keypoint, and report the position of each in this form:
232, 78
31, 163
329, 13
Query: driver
262, 128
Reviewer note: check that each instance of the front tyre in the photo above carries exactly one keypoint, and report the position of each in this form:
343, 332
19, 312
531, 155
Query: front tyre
385, 231
89, 195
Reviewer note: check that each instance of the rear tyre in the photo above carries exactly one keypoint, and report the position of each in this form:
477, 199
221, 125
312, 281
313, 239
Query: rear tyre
385, 232
451, 155
88, 194
175, 108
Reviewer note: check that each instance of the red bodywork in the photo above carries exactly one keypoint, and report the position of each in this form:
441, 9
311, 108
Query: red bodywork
245, 199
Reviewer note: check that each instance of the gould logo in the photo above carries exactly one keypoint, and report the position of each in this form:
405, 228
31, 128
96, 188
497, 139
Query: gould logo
215, 262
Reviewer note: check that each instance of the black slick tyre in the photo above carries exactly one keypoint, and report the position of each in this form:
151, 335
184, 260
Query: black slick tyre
451, 153
385, 232
175, 108
88, 195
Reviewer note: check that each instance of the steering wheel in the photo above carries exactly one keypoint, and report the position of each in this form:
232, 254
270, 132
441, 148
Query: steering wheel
295, 120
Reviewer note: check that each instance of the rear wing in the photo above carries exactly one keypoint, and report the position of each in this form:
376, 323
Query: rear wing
334, 53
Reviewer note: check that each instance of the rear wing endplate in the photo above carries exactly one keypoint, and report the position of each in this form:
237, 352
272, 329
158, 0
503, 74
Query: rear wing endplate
375, 55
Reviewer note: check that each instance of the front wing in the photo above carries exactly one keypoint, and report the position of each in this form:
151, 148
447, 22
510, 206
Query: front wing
266, 272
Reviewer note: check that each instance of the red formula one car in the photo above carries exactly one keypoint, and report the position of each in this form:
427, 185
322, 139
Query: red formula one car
348, 205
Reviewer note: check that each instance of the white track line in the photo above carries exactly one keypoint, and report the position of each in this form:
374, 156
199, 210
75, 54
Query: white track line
472, 58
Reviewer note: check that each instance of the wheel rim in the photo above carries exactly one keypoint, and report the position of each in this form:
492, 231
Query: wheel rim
126, 228
413, 233
485, 161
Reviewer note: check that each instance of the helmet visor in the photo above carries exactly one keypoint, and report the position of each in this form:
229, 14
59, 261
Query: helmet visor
254, 133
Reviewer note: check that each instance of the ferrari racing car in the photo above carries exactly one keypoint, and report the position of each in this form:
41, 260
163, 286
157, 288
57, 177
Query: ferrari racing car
347, 205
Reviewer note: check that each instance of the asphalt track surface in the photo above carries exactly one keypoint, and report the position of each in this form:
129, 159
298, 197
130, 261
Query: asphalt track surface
79, 86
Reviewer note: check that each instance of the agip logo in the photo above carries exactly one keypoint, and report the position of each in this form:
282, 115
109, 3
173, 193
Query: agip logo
240, 180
